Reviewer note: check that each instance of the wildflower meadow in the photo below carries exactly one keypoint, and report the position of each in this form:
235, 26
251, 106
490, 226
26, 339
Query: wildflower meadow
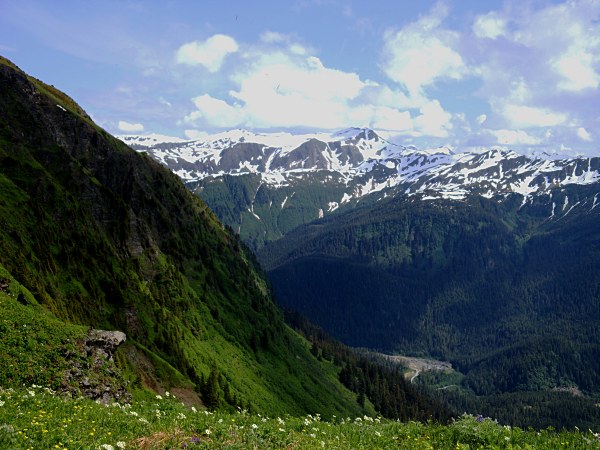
38, 418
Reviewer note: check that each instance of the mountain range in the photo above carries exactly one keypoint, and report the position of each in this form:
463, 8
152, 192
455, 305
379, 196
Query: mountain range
485, 258
265, 185
117, 281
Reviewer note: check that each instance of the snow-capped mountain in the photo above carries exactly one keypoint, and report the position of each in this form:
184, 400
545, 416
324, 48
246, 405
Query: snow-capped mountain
278, 180
239, 152
366, 162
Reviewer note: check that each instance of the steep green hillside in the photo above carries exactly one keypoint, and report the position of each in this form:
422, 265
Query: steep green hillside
510, 297
261, 213
101, 236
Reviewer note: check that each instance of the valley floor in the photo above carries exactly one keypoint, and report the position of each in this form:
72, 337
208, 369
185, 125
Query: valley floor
37, 418
419, 365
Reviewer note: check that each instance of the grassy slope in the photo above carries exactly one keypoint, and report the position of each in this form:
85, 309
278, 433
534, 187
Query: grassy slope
40, 419
33, 342
103, 236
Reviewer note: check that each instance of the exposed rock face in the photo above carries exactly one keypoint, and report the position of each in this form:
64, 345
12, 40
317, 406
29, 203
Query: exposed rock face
94, 374
100, 343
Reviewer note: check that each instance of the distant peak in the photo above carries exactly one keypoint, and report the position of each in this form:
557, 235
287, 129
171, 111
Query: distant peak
355, 133
149, 140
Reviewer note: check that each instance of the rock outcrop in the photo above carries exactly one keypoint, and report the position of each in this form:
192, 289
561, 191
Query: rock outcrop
94, 373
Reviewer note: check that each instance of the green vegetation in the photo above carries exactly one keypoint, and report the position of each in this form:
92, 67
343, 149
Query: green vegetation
32, 341
93, 234
261, 213
96, 235
509, 298
35, 417
375, 380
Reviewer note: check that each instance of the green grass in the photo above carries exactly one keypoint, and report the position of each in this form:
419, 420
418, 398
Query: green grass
35, 417
33, 343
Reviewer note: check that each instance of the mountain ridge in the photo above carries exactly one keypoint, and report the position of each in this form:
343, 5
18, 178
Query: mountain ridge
313, 175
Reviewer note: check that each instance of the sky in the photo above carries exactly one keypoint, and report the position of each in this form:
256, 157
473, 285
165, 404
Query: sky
519, 74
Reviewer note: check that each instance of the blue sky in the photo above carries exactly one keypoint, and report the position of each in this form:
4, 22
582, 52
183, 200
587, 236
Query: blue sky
513, 73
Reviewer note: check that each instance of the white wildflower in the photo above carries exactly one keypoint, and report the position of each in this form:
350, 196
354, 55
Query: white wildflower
181, 416
167, 394
194, 409
207, 431
254, 426
107, 447
1, 403
121, 444
312, 435
159, 397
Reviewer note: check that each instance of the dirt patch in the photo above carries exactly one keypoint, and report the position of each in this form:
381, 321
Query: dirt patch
188, 396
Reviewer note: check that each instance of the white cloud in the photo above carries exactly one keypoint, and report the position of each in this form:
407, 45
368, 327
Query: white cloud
386, 96
583, 134
390, 119
577, 70
216, 112
298, 49
422, 52
195, 134
210, 53
307, 78
433, 121
130, 127
491, 25
164, 101
481, 119
282, 88
521, 116
515, 137
273, 37
537, 74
